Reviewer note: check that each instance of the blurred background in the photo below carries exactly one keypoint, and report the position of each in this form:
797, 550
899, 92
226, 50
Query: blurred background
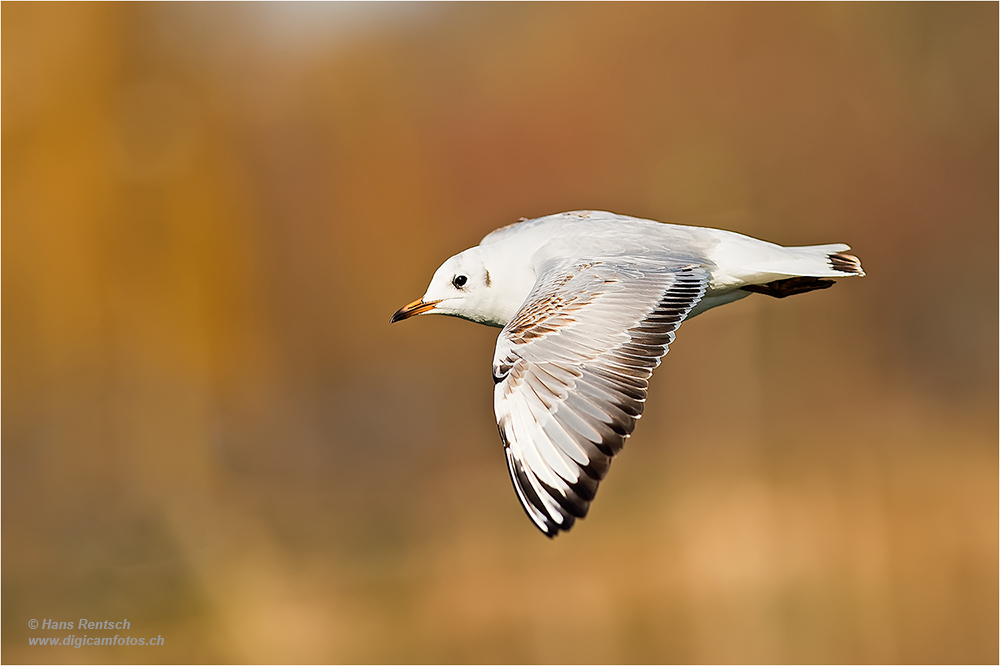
210, 211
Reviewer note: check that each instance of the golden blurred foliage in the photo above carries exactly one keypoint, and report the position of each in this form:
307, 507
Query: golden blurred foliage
209, 428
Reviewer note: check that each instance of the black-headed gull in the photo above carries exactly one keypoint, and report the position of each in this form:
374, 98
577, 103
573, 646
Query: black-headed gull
588, 302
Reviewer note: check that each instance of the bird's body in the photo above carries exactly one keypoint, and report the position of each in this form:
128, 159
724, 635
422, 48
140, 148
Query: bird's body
588, 302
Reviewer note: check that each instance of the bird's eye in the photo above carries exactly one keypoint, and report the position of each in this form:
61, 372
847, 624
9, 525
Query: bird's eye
459, 281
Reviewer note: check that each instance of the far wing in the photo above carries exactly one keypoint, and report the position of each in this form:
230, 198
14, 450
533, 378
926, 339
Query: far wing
571, 371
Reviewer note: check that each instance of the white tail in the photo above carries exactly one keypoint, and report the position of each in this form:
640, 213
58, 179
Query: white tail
823, 261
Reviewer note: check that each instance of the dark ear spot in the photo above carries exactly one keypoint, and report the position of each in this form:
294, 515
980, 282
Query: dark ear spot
487, 277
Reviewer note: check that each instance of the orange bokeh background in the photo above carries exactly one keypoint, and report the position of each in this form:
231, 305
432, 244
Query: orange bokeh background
210, 211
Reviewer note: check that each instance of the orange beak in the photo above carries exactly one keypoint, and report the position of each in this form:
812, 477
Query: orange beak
412, 310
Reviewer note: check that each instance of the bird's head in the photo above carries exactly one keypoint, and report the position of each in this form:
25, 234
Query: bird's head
462, 287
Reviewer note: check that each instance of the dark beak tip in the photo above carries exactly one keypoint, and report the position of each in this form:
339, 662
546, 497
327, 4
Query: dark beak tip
410, 309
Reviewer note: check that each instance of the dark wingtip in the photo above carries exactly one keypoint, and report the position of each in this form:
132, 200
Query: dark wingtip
789, 286
553, 530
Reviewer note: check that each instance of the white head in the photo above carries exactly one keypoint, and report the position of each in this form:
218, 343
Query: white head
472, 287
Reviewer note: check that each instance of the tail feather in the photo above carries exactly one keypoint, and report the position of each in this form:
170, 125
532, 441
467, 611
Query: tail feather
806, 268
846, 263
820, 261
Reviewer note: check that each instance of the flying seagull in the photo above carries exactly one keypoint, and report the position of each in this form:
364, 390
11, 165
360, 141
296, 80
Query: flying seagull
589, 302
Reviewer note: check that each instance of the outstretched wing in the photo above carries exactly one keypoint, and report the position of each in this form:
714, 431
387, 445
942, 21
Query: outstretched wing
571, 371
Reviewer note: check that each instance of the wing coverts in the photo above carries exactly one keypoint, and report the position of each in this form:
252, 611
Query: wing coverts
571, 371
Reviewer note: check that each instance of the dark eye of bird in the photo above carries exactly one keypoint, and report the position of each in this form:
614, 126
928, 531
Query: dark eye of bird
459, 281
